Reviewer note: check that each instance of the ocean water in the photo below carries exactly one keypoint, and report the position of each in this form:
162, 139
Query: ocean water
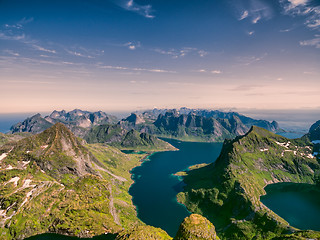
7, 120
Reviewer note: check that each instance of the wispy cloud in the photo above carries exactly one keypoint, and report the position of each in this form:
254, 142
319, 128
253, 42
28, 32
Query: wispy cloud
77, 53
135, 69
12, 36
30, 82
10, 52
248, 60
244, 15
132, 45
202, 53
246, 87
143, 10
312, 42
255, 10
37, 47
178, 53
216, 71
304, 8
20, 24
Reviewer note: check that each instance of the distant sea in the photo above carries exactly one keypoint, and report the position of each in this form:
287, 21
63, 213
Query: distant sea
9, 119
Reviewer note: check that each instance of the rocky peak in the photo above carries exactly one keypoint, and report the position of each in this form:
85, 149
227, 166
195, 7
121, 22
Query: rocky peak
134, 119
34, 124
57, 151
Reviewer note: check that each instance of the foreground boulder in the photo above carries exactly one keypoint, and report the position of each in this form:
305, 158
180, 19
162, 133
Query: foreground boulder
196, 227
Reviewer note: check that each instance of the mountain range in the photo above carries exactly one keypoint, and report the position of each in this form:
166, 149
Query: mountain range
184, 124
77, 120
56, 182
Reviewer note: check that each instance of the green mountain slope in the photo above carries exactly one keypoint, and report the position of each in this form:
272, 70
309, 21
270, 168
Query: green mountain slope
51, 182
228, 191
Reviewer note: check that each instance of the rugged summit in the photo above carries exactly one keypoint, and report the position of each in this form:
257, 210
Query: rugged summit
81, 118
194, 124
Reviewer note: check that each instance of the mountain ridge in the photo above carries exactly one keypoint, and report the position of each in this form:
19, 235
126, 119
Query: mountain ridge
234, 183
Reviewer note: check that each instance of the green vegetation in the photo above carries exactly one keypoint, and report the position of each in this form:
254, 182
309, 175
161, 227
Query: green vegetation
228, 191
116, 136
196, 227
51, 182
143, 232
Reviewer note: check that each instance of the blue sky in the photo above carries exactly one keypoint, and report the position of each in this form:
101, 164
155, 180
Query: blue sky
131, 54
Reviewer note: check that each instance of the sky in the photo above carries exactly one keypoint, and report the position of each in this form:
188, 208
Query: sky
123, 55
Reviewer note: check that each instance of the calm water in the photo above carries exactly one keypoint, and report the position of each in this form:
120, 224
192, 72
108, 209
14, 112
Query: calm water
298, 204
292, 135
7, 120
155, 188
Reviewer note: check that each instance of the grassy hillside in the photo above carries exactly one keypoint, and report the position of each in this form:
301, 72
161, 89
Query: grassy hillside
51, 182
123, 139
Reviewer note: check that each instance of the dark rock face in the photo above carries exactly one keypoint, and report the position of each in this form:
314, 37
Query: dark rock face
34, 124
314, 132
196, 227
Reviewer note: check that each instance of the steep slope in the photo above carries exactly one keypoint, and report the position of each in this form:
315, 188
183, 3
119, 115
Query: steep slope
228, 191
51, 182
192, 127
314, 137
57, 151
106, 134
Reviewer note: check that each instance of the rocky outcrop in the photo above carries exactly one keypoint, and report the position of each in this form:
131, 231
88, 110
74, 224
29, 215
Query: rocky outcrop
196, 227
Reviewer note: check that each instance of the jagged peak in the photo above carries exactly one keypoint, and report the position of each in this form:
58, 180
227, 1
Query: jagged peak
36, 116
